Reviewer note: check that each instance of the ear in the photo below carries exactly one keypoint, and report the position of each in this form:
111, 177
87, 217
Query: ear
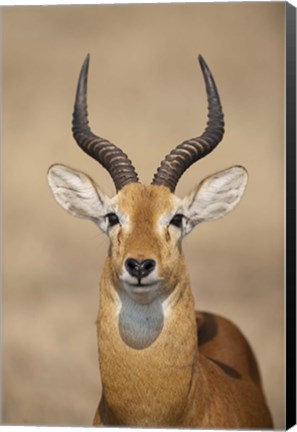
216, 196
78, 194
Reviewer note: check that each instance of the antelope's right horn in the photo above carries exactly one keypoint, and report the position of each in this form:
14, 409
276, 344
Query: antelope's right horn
107, 154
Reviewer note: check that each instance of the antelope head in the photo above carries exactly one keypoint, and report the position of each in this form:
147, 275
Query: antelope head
146, 223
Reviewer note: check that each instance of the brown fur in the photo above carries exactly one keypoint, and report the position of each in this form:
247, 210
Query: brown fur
144, 205
174, 382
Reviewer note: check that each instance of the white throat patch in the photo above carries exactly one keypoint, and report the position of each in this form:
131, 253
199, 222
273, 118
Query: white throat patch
140, 324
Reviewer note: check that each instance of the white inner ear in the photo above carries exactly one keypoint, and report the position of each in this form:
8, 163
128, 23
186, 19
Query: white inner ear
78, 194
216, 196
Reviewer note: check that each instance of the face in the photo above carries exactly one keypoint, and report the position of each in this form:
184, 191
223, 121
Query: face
145, 229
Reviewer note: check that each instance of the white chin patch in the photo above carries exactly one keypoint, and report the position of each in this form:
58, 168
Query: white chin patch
146, 286
141, 292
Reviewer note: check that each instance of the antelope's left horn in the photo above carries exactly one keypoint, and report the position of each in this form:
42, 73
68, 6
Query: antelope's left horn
107, 154
190, 151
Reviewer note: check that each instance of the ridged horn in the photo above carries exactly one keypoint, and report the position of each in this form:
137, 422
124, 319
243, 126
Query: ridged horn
107, 154
190, 151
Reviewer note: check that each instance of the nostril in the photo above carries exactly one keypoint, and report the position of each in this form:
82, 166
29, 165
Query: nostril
146, 267
133, 267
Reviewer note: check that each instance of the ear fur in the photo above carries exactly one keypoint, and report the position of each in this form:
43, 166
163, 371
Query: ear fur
215, 196
78, 194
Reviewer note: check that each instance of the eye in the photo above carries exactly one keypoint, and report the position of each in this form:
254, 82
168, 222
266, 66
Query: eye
177, 220
112, 219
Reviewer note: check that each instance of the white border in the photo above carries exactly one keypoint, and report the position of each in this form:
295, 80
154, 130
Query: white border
94, 2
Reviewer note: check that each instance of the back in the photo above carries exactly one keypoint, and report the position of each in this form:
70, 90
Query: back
226, 355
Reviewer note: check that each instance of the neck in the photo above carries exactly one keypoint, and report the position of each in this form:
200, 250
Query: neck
147, 378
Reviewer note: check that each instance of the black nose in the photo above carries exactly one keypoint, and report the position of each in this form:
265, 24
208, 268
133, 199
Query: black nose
140, 269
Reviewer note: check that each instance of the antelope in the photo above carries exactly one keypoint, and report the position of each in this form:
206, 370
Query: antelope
161, 363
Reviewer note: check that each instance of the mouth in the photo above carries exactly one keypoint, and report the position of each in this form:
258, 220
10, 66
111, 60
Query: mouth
140, 289
140, 283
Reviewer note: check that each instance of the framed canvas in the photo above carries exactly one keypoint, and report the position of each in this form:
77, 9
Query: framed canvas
146, 94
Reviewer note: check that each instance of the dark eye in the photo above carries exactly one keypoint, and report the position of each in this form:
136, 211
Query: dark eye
177, 220
112, 219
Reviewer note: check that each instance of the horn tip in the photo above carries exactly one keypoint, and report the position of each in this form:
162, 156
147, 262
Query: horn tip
82, 81
86, 62
202, 63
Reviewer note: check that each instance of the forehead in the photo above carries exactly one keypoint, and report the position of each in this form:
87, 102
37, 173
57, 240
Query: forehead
147, 201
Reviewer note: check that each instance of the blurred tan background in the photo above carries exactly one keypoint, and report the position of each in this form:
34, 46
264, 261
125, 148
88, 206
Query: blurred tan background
146, 94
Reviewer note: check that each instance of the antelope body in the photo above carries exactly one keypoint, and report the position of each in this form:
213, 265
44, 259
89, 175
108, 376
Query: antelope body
162, 364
